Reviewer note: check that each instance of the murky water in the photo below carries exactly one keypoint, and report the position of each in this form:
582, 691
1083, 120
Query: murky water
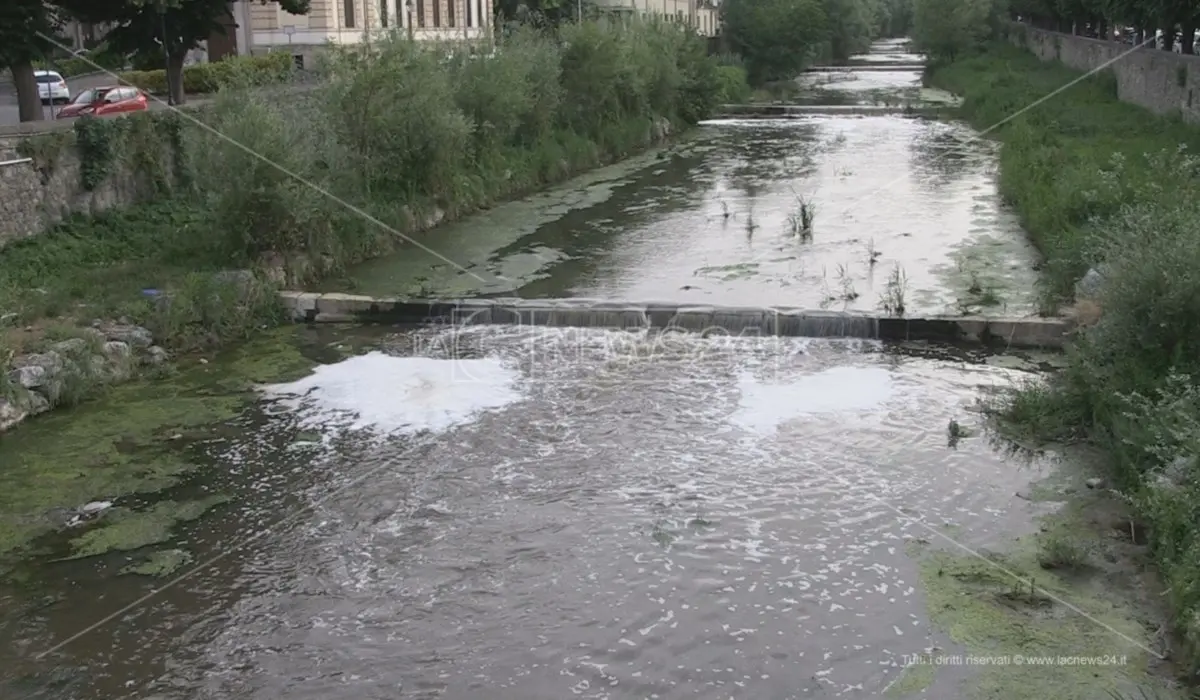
548, 513
896, 205
542, 513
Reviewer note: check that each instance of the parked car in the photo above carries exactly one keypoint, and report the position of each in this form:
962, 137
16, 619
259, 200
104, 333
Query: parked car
98, 102
51, 86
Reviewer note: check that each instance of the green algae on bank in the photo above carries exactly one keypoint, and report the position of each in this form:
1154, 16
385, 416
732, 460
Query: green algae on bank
125, 530
1008, 606
133, 439
159, 563
915, 678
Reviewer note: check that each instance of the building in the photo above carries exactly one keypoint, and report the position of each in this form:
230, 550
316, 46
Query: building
254, 27
699, 14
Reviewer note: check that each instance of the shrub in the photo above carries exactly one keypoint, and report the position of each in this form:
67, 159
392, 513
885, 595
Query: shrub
245, 71
733, 88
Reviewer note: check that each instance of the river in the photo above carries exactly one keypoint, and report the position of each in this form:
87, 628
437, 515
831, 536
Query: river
527, 514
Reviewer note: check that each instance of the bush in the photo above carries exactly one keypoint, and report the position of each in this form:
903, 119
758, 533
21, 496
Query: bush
204, 78
407, 132
733, 88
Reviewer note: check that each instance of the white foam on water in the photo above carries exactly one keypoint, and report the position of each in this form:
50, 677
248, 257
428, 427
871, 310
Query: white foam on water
763, 407
388, 394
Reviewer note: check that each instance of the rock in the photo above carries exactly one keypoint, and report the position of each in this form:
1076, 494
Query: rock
117, 349
36, 404
1095, 483
240, 278
10, 414
92, 334
70, 346
156, 355
95, 507
30, 377
135, 336
1179, 471
51, 361
1089, 286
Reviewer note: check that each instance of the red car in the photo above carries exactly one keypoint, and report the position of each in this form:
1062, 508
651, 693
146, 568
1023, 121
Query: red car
104, 101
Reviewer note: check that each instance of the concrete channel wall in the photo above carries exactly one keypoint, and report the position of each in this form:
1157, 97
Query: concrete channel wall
1163, 82
309, 307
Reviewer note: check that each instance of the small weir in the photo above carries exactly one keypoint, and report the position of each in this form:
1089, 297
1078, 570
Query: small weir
750, 321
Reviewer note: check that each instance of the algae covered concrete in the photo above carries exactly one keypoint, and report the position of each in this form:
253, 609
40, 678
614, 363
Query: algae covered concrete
1023, 624
133, 440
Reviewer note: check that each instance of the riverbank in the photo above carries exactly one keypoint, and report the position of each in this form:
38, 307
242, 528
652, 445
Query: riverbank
268, 193
1108, 189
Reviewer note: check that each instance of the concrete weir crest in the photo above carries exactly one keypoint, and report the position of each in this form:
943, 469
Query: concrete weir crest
311, 307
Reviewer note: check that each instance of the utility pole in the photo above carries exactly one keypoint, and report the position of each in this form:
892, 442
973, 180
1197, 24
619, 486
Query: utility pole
162, 12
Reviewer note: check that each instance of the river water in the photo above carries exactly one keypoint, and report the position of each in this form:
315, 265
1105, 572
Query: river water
712, 220
528, 514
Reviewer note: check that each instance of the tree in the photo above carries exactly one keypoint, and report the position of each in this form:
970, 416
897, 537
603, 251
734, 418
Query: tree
945, 29
23, 24
776, 38
172, 27
850, 27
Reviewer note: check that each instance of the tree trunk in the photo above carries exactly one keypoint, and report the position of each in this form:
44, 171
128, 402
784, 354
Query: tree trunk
1168, 38
175, 77
1188, 39
1102, 30
29, 102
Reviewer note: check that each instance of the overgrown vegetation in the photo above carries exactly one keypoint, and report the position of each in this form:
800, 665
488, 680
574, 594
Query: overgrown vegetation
1102, 185
389, 143
779, 38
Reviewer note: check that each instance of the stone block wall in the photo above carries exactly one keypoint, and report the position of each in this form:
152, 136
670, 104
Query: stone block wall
37, 193
1161, 81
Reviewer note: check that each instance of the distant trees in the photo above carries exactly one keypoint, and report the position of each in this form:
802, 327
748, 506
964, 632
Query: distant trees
1177, 19
778, 38
945, 29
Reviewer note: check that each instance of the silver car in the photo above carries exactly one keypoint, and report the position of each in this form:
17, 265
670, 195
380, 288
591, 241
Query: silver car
51, 86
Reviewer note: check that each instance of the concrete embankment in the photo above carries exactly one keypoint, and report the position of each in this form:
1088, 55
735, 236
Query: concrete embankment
311, 307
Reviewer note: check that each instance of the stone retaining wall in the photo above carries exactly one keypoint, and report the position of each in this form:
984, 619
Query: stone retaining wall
1163, 82
768, 321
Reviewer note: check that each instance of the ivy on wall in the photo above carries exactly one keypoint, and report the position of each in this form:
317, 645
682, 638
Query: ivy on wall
149, 145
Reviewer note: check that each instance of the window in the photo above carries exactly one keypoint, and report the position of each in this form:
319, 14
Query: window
450, 12
467, 7
348, 5
437, 13
420, 13
49, 77
383, 17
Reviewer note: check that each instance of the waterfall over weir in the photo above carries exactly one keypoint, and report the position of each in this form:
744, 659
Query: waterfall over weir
721, 320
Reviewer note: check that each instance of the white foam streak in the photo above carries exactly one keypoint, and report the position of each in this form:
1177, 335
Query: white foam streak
391, 395
762, 407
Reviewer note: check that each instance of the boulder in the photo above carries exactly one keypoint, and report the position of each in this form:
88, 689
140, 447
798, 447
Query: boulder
10, 414
30, 376
135, 336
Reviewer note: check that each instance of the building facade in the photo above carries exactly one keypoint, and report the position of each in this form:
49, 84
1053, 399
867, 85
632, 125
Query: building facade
702, 15
258, 28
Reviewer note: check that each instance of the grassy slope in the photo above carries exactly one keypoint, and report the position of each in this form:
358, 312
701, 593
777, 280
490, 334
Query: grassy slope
1103, 183
1055, 154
